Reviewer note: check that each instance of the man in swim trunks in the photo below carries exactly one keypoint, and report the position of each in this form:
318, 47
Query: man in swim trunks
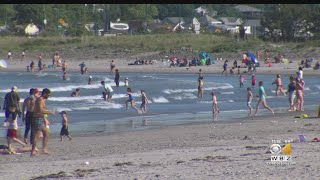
262, 99
278, 82
28, 105
40, 123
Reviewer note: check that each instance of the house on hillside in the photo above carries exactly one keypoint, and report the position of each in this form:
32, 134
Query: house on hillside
191, 24
249, 11
253, 26
207, 21
173, 23
202, 11
231, 21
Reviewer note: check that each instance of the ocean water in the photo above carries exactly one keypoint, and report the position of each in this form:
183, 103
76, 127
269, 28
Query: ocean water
173, 99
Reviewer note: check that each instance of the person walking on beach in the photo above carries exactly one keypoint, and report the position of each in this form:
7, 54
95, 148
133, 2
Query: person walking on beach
225, 65
144, 100
65, 126
28, 107
23, 55
292, 94
299, 92
278, 82
130, 100
11, 98
40, 123
12, 127
253, 81
117, 77
112, 66
200, 87
9, 55
214, 103
108, 91
241, 80
262, 98
249, 100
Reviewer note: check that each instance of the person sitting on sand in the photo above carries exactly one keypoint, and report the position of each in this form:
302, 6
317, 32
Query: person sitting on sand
262, 98
12, 127
130, 100
278, 82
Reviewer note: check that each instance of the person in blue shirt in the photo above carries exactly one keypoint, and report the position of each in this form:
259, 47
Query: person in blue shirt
262, 98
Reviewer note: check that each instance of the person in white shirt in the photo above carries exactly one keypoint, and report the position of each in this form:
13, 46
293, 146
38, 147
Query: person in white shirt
108, 91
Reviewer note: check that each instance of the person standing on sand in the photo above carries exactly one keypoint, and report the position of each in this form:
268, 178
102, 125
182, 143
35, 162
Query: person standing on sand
262, 98
9, 55
145, 101
112, 66
65, 126
292, 94
130, 100
225, 65
10, 99
28, 107
40, 123
249, 100
214, 103
117, 77
40, 66
23, 55
32, 66
278, 82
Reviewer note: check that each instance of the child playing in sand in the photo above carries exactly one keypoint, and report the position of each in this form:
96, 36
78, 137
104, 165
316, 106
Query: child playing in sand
262, 99
241, 80
12, 128
144, 100
278, 82
64, 129
130, 100
249, 100
253, 81
214, 103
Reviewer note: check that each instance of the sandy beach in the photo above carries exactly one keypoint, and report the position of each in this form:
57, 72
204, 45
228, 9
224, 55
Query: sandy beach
214, 150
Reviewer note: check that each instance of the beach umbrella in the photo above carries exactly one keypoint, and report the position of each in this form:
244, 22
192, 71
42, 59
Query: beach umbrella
3, 64
31, 29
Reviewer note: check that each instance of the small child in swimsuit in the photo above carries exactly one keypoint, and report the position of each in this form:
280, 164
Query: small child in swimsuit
249, 100
253, 81
126, 82
241, 80
144, 100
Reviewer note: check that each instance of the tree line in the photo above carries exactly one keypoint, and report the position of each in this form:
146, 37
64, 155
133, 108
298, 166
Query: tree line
285, 19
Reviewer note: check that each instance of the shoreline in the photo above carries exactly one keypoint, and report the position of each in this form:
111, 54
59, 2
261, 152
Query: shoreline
211, 150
